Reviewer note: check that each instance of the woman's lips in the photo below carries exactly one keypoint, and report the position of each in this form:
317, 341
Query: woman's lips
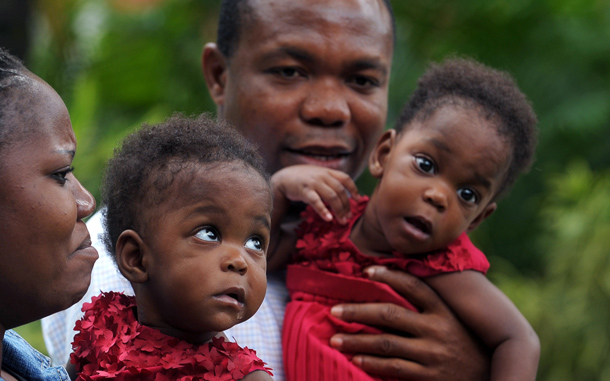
85, 249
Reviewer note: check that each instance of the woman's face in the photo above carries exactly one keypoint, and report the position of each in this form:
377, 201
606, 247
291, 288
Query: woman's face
46, 256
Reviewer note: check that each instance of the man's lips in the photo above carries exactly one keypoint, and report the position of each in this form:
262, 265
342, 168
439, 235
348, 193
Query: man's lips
322, 153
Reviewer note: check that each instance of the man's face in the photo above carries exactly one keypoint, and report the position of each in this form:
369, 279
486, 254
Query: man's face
308, 81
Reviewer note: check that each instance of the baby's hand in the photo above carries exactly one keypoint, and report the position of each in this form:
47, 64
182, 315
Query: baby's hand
315, 185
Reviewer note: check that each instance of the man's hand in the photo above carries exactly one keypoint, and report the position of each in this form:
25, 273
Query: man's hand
315, 186
431, 345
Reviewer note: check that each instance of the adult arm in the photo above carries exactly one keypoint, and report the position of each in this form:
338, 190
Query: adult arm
495, 319
430, 345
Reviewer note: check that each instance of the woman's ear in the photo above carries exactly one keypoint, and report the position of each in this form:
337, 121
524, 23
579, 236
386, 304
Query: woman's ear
214, 65
130, 256
378, 158
489, 209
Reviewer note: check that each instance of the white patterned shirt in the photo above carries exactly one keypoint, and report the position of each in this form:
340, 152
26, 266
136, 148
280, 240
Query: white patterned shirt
262, 332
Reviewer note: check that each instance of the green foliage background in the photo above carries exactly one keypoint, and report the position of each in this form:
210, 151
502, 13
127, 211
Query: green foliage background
120, 63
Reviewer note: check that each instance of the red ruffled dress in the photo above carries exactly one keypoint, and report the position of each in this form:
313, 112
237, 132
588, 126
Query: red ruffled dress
327, 270
112, 344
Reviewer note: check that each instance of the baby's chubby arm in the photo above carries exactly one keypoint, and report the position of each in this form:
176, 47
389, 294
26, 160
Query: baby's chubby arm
495, 319
314, 185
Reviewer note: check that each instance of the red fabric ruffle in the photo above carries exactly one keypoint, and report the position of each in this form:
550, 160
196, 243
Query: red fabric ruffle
112, 344
326, 245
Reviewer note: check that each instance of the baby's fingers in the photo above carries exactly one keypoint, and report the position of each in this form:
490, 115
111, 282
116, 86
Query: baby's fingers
348, 185
312, 198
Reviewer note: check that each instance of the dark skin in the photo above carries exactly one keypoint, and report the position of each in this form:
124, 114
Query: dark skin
308, 82
44, 238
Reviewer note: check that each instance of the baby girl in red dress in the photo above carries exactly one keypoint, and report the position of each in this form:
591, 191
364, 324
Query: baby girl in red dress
459, 144
188, 214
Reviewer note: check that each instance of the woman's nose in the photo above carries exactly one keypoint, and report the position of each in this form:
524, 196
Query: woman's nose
85, 202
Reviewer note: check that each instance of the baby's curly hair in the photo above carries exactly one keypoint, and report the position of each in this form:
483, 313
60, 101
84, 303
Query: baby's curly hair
150, 159
469, 84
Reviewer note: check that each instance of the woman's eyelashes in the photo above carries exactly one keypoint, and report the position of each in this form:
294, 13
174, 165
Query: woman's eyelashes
61, 176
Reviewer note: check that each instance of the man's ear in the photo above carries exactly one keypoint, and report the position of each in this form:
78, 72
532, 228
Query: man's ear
378, 158
489, 209
214, 65
130, 256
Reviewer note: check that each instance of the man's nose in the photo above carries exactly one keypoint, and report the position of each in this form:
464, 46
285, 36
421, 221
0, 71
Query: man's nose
325, 104
234, 260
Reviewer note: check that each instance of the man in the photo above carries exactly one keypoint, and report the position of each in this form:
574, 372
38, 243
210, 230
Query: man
307, 80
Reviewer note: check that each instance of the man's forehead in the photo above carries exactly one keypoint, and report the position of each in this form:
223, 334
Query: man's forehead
315, 12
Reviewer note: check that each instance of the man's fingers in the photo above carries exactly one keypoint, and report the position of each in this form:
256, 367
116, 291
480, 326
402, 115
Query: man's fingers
385, 316
385, 355
394, 368
410, 287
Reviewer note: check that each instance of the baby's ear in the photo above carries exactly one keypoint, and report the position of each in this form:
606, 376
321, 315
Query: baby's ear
130, 252
378, 158
489, 209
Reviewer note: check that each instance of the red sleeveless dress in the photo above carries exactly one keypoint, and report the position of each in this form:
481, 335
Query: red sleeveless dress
327, 270
111, 344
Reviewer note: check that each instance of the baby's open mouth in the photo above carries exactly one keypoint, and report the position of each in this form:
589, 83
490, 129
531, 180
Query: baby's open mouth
420, 223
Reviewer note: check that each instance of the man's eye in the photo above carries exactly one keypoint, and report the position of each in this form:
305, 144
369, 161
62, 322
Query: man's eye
468, 195
254, 243
426, 165
363, 82
208, 234
286, 72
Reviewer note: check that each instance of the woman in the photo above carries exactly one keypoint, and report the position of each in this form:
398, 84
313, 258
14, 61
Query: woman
46, 256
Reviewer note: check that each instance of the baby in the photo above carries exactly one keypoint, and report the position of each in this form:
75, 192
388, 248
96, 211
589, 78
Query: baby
459, 144
188, 214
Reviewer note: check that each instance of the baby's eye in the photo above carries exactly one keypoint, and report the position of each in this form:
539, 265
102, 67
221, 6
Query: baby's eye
426, 165
254, 243
208, 234
468, 195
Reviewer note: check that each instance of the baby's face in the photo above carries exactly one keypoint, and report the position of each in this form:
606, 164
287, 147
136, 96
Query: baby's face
207, 248
439, 179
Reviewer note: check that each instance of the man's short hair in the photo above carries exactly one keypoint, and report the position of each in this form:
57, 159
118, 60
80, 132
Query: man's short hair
233, 16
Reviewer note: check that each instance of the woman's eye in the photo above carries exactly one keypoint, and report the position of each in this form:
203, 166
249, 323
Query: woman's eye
468, 195
426, 165
254, 243
208, 234
61, 176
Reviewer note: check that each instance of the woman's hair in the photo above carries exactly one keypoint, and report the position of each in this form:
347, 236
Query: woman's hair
11, 70
150, 159
469, 84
